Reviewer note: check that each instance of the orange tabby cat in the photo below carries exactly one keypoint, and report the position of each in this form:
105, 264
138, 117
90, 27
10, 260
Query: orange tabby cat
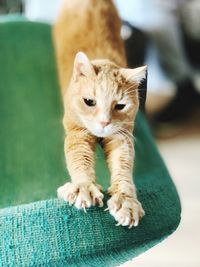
101, 101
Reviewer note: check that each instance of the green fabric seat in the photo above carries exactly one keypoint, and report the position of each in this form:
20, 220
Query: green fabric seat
37, 229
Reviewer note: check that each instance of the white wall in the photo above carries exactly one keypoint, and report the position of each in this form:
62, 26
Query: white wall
42, 10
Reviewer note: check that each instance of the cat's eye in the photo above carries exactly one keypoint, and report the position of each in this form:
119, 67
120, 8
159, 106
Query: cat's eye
89, 102
119, 106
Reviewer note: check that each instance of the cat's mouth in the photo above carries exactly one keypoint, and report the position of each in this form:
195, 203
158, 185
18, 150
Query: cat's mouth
97, 130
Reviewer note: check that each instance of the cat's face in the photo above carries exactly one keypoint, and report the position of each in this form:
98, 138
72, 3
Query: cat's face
105, 97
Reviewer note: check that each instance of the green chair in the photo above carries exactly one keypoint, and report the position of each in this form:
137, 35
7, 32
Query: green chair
37, 229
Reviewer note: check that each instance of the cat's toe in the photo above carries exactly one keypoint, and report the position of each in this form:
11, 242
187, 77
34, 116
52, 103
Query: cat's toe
68, 192
127, 211
89, 195
96, 195
81, 195
83, 199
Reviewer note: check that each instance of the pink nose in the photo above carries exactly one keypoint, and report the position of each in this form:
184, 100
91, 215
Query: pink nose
104, 123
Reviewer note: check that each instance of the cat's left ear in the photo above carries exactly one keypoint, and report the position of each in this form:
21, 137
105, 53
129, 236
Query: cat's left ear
134, 75
83, 66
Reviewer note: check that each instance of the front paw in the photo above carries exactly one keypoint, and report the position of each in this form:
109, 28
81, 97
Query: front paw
82, 195
126, 210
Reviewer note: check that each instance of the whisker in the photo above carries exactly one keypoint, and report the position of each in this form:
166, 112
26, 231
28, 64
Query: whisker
132, 92
125, 133
124, 122
129, 89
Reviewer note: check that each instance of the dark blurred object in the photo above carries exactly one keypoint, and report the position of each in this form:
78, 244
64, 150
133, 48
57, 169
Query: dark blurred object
182, 105
11, 6
143, 93
189, 15
192, 46
178, 45
135, 45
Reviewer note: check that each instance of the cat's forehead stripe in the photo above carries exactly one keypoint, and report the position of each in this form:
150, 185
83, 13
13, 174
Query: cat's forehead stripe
111, 72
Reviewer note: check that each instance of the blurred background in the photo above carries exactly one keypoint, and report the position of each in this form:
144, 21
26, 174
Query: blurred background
165, 35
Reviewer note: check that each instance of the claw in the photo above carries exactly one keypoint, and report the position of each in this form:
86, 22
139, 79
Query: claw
84, 209
136, 220
131, 224
100, 203
98, 200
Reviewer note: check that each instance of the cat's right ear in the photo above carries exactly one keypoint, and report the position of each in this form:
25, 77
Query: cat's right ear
83, 66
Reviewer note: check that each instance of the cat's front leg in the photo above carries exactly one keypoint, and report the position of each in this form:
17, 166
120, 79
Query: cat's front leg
82, 191
123, 204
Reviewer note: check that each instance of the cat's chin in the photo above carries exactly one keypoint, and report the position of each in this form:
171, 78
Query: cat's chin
101, 135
